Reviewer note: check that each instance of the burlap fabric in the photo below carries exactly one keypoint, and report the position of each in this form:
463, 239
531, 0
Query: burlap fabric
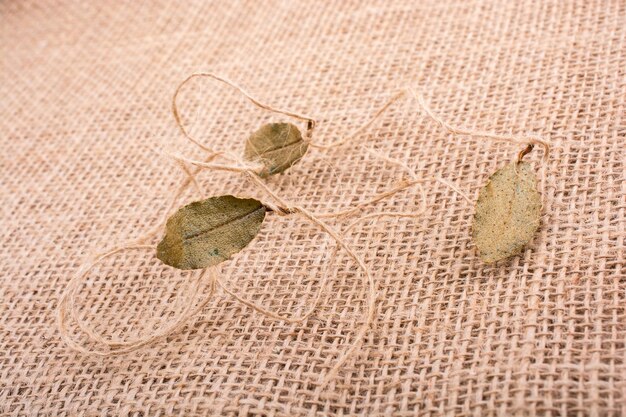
85, 98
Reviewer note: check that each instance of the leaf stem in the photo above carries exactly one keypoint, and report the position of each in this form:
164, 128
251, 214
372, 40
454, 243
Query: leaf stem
525, 152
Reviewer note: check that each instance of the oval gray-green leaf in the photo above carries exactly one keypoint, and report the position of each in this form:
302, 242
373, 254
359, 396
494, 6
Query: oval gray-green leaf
207, 232
507, 212
277, 146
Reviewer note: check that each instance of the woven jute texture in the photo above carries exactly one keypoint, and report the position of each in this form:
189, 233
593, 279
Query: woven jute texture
85, 99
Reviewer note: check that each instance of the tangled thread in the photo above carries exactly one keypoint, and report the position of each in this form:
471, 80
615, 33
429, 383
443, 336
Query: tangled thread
67, 308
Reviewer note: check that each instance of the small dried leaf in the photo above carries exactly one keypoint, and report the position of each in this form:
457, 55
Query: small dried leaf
207, 232
507, 212
277, 146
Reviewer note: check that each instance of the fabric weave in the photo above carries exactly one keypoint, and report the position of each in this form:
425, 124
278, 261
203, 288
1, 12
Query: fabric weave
86, 93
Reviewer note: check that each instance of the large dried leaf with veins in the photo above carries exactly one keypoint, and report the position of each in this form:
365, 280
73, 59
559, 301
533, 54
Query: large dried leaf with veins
507, 212
277, 146
207, 232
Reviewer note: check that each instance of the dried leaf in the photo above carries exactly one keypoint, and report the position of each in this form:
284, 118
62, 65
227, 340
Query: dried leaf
507, 212
210, 231
277, 146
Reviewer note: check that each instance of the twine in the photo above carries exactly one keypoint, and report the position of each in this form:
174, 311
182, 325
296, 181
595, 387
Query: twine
67, 304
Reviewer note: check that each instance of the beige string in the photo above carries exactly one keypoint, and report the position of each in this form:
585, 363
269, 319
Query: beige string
67, 300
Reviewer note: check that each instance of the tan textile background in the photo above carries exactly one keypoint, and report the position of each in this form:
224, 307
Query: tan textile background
85, 97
